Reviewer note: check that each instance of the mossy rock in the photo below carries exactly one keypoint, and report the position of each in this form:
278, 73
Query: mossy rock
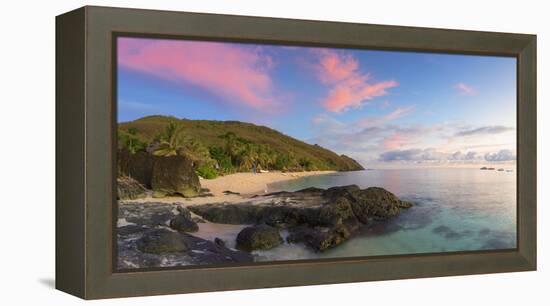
183, 222
140, 167
174, 175
130, 189
260, 237
159, 241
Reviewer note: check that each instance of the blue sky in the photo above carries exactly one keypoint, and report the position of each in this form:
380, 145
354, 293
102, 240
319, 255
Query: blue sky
382, 108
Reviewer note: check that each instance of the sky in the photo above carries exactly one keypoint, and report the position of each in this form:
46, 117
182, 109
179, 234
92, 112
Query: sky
383, 108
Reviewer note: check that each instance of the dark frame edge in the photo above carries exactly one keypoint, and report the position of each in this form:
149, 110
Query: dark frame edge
527, 152
70, 223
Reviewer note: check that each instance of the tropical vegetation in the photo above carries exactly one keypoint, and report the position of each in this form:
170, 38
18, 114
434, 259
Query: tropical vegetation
223, 147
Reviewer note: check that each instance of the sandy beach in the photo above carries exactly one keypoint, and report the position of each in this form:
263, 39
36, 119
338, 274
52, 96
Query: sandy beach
246, 184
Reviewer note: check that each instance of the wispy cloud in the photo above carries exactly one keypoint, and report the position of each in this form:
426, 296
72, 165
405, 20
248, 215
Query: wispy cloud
236, 74
395, 114
366, 141
396, 140
465, 89
388, 142
349, 88
429, 154
484, 130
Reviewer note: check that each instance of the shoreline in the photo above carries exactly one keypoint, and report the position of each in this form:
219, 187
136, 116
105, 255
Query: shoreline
245, 183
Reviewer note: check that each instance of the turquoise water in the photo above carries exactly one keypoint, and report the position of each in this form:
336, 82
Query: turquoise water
455, 210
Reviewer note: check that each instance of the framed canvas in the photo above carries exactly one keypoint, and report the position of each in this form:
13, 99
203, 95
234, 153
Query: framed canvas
200, 152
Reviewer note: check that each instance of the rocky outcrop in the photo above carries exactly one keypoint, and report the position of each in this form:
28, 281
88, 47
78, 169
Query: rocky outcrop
145, 240
129, 189
159, 241
260, 237
140, 167
374, 203
320, 218
123, 159
174, 175
175, 245
320, 238
183, 222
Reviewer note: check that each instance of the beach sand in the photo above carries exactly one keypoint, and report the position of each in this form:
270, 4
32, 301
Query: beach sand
246, 184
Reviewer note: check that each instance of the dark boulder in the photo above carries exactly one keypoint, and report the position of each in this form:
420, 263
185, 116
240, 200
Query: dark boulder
158, 241
228, 214
376, 203
208, 252
174, 175
317, 217
129, 189
123, 159
183, 222
336, 212
320, 238
140, 167
260, 237
175, 248
143, 240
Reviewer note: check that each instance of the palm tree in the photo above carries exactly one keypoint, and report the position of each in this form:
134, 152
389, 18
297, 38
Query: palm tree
265, 159
231, 145
170, 141
129, 140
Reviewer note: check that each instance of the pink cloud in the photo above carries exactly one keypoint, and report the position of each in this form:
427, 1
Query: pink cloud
395, 141
349, 87
464, 89
334, 67
236, 74
377, 121
398, 113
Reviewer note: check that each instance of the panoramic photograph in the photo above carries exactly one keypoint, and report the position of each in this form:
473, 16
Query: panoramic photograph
237, 153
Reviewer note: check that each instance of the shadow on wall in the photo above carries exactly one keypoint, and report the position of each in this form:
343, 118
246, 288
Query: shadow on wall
48, 282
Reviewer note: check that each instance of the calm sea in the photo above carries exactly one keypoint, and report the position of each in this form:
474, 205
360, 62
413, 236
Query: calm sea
455, 210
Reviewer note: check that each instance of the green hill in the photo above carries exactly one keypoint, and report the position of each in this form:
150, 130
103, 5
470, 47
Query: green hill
231, 146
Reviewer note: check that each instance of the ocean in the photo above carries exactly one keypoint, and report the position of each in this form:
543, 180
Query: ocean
455, 209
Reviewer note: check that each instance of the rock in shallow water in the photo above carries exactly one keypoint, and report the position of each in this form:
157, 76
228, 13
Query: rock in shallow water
183, 222
162, 247
260, 237
144, 240
321, 218
321, 238
159, 241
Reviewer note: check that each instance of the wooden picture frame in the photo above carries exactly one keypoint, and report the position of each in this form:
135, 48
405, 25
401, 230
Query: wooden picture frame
86, 142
